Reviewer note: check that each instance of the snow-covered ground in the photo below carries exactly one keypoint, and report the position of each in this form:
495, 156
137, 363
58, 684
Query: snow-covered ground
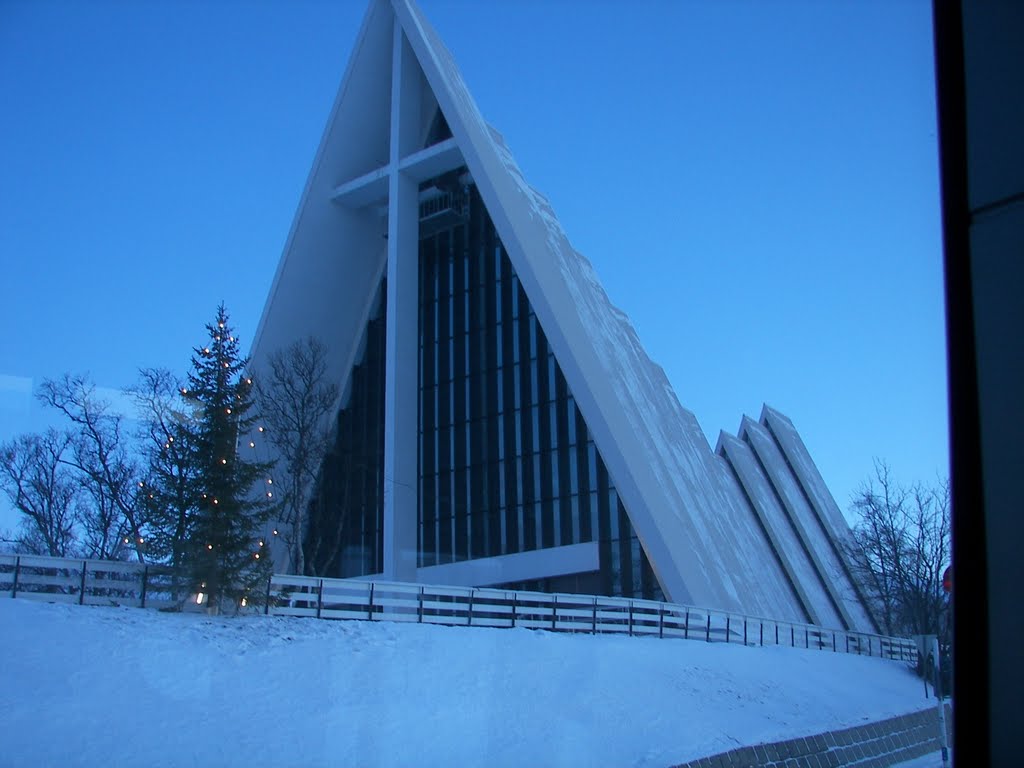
127, 687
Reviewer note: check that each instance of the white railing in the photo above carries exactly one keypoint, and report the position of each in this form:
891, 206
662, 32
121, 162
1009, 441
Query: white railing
86, 582
105, 582
485, 607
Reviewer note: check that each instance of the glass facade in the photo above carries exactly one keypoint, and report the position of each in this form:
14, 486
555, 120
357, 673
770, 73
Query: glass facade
506, 461
345, 520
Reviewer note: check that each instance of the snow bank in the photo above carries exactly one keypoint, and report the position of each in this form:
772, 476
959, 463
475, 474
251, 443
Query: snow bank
119, 686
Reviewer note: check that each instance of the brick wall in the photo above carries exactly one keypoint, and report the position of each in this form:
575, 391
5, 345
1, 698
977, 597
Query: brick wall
873, 745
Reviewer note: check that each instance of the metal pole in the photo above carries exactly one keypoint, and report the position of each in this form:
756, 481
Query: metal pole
469, 618
707, 631
792, 636
554, 613
686, 627
937, 669
266, 605
593, 625
17, 571
744, 631
728, 627
807, 637
319, 598
661, 620
762, 632
630, 618
514, 596
81, 588
419, 607
369, 607
145, 581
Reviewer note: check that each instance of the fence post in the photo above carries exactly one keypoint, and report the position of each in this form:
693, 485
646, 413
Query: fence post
661, 620
593, 623
792, 636
81, 587
419, 607
833, 642
630, 618
515, 595
686, 627
469, 618
554, 613
869, 645
369, 607
145, 581
744, 631
807, 637
17, 571
762, 633
319, 598
707, 632
266, 605
776, 633
728, 627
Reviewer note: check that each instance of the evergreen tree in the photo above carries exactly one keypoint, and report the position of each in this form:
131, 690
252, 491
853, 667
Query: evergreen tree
225, 556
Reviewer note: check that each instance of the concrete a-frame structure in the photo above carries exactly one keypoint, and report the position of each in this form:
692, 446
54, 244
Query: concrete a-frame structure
749, 527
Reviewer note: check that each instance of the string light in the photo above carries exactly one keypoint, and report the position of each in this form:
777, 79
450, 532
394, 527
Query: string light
209, 546
215, 501
184, 391
206, 350
223, 461
227, 365
126, 539
275, 531
252, 444
244, 602
261, 542
231, 338
261, 429
257, 555
141, 484
270, 495
228, 411
141, 541
269, 481
199, 598
221, 325
248, 381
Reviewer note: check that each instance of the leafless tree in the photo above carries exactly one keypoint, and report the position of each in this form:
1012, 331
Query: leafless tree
41, 487
902, 546
115, 519
295, 400
170, 488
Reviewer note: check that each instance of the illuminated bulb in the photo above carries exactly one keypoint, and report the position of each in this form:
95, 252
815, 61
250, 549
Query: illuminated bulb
170, 439
140, 540
151, 495
226, 365
125, 539
228, 411
141, 484
257, 555
270, 495
199, 598
275, 531
244, 602
269, 481
215, 501
223, 461
221, 325
261, 543
231, 338
209, 546
217, 338
261, 429
204, 495
248, 381
206, 350
252, 444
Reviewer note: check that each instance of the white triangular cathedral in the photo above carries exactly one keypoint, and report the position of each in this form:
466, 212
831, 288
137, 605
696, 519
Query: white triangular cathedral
500, 423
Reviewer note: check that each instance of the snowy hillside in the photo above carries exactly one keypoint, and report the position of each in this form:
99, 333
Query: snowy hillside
126, 687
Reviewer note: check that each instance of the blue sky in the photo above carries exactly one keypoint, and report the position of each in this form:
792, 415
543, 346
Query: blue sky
755, 183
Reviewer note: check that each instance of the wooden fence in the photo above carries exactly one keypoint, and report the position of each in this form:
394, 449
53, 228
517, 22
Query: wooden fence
483, 607
86, 582
105, 582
